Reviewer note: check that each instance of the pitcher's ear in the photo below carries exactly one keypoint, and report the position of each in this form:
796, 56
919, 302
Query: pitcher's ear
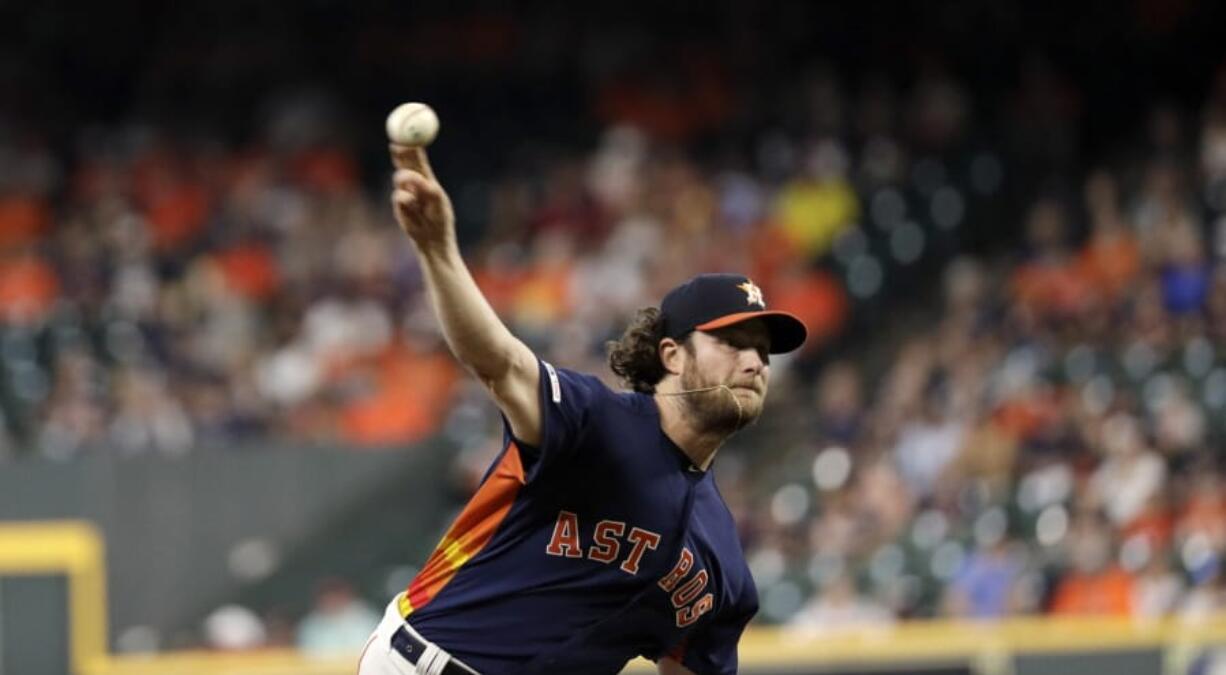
672, 356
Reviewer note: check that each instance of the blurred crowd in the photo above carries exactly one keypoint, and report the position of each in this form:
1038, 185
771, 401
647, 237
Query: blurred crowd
178, 297
163, 293
1042, 438
1047, 440
183, 297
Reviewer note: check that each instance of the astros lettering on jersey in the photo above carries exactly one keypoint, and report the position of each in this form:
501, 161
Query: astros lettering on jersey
601, 544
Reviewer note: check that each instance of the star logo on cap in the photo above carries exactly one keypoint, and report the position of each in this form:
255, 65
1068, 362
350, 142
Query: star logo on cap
753, 294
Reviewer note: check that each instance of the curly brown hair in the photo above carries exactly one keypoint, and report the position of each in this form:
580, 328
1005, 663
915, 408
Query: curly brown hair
635, 357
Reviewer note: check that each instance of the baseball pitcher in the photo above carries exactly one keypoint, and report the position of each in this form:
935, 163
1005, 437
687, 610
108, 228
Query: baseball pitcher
598, 534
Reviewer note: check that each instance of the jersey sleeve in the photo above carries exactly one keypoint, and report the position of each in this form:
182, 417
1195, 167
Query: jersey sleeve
568, 400
712, 649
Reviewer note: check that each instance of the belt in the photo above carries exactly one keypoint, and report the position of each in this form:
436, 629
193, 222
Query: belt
413, 648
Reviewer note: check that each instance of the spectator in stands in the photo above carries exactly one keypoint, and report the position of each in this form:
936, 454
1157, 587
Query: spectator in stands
840, 605
1094, 584
929, 443
234, 628
1157, 589
339, 622
986, 585
1129, 475
840, 407
1204, 600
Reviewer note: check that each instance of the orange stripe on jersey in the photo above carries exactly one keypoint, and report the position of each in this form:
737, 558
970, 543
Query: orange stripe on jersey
471, 531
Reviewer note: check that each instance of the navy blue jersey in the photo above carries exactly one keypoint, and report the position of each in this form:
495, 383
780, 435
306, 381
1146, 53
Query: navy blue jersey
602, 544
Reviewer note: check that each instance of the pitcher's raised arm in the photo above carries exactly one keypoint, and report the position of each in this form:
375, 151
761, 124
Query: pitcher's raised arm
476, 335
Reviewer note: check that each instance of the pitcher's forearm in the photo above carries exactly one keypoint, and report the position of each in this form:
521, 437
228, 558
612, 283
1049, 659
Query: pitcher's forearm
476, 335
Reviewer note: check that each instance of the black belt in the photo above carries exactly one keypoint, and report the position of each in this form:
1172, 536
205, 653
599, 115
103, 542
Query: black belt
411, 648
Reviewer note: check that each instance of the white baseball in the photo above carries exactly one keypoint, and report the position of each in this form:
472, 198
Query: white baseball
412, 124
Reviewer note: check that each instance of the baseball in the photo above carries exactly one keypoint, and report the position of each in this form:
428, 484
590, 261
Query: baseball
412, 124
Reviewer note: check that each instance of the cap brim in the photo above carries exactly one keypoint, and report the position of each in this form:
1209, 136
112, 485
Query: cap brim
786, 331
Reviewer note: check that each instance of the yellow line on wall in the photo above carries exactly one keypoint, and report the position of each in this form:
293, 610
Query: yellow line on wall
72, 548
265, 662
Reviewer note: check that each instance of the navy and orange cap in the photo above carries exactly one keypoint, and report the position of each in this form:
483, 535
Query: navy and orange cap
710, 301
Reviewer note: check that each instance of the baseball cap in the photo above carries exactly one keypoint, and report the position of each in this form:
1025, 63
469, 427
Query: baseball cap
711, 301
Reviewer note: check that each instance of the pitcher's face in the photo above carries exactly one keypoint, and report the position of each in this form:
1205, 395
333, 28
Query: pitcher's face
737, 357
